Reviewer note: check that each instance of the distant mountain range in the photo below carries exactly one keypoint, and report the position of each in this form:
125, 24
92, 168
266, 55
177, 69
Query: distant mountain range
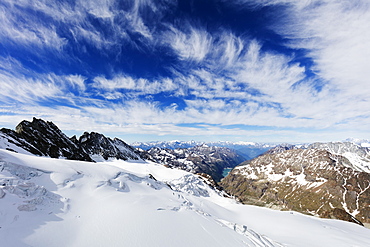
329, 180
211, 160
248, 150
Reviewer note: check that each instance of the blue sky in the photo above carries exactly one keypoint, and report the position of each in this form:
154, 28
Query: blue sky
243, 70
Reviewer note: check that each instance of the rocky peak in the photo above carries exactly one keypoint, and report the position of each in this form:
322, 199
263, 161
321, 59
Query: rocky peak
37, 125
98, 145
47, 140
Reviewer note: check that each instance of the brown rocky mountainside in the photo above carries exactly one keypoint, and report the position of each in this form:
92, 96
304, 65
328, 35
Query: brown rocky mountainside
310, 181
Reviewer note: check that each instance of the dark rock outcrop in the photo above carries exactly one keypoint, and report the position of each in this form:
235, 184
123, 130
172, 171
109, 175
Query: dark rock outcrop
97, 144
45, 139
340, 214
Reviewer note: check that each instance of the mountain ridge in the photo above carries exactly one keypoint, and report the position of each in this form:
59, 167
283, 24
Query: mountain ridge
312, 181
44, 138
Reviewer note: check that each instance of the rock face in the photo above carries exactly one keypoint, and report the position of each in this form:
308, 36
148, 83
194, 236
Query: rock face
310, 181
97, 145
200, 159
46, 139
10, 140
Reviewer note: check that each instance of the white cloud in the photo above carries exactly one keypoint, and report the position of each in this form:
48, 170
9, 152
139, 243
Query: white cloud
93, 37
231, 81
192, 45
226, 50
26, 90
22, 26
101, 9
76, 121
20, 85
134, 86
25, 29
77, 81
335, 35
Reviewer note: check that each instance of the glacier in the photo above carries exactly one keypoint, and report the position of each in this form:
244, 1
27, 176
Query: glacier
58, 202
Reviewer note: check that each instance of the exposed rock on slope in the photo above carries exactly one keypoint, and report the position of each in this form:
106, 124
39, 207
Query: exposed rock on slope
11, 141
97, 145
306, 180
44, 139
199, 159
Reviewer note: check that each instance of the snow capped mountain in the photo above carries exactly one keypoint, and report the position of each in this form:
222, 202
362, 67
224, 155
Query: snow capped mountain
360, 142
358, 156
248, 150
313, 181
211, 160
10, 141
166, 144
46, 139
58, 202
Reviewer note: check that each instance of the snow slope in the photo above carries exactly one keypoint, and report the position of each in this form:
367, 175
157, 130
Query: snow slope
54, 202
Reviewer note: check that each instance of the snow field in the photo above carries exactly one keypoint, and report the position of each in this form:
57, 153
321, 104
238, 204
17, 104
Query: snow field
120, 203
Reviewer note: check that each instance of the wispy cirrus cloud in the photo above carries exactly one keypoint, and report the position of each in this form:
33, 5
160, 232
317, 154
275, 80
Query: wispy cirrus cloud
57, 23
20, 28
335, 37
212, 80
134, 86
192, 44
22, 85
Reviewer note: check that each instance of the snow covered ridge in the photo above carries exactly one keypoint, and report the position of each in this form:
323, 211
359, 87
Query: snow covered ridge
360, 142
58, 202
359, 156
313, 181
